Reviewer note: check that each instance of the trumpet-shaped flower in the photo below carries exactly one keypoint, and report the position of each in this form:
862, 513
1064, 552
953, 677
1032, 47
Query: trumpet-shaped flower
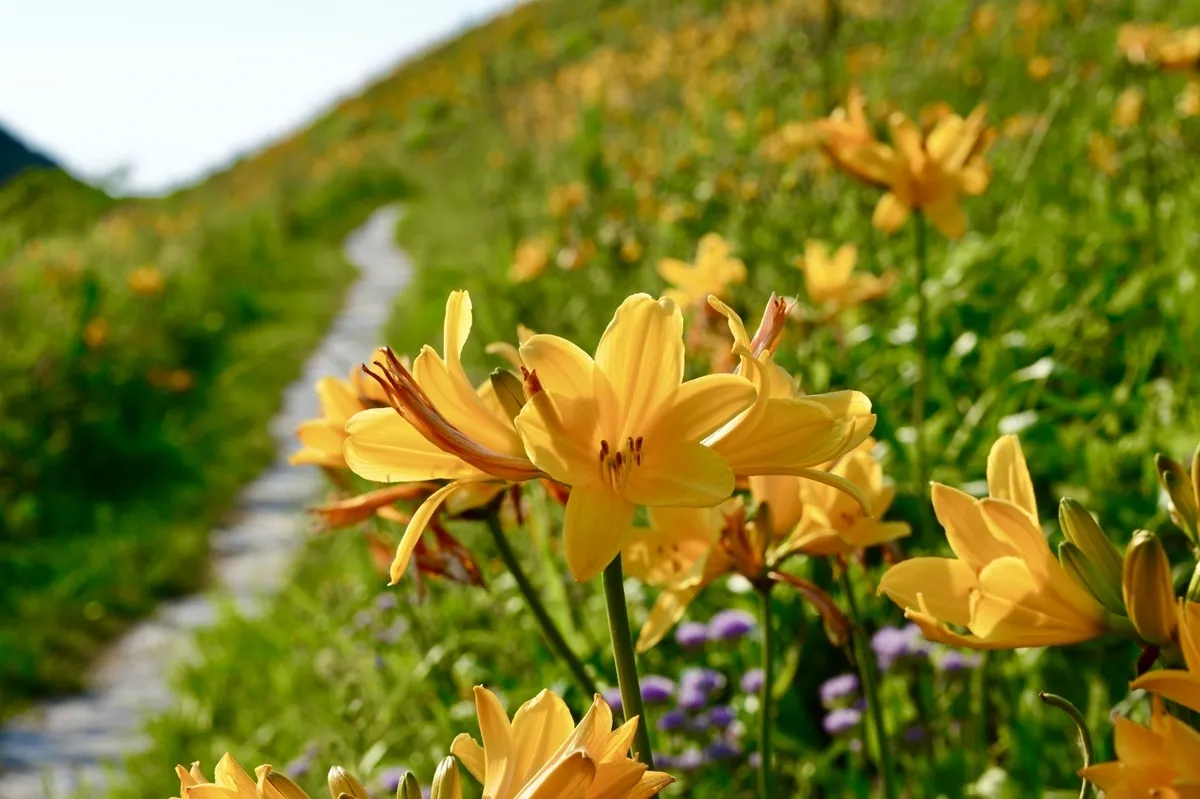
930, 173
1180, 685
1003, 585
323, 439
831, 281
623, 429
232, 782
1160, 760
713, 272
438, 427
542, 754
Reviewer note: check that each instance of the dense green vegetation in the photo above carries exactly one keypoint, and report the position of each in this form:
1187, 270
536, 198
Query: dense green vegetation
617, 133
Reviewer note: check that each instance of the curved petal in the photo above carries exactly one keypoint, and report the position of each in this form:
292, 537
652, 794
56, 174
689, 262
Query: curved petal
967, 533
498, 744
538, 730
946, 213
1172, 684
667, 611
595, 526
781, 493
1008, 475
940, 587
455, 330
672, 547
459, 402
382, 447
566, 778
323, 441
558, 432
679, 474
416, 526
562, 368
641, 355
700, 407
470, 754
338, 399
230, 775
789, 434
652, 784
890, 213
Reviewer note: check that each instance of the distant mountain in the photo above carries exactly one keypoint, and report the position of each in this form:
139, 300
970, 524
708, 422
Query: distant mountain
15, 156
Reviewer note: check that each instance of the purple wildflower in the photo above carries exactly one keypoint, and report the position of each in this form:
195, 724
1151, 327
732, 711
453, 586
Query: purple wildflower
689, 759
722, 749
706, 680
672, 720
386, 601
914, 735
752, 681
841, 687
691, 697
613, 697
841, 719
691, 634
657, 689
701, 722
721, 716
954, 661
730, 624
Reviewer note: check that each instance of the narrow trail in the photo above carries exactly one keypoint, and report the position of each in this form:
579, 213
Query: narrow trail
65, 744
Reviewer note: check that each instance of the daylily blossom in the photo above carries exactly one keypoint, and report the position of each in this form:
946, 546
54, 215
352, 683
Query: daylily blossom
542, 754
232, 782
324, 438
1160, 46
831, 282
623, 429
1004, 585
1180, 685
1160, 760
530, 259
438, 427
927, 173
713, 272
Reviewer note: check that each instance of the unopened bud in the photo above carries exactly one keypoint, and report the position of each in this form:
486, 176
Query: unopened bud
1082, 530
273, 785
1085, 573
1148, 590
1182, 491
343, 782
447, 784
509, 391
409, 788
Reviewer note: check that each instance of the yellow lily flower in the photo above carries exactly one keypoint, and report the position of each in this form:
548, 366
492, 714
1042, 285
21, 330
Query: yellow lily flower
530, 259
833, 523
846, 130
929, 173
1160, 760
232, 782
541, 754
1160, 46
1004, 585
438, 427
713, 272
832, 283
1180, 685
784, 432
324, 438
623, 429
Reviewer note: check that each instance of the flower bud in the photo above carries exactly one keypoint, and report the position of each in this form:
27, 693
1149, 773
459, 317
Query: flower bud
343, 782
273, 785
1183, 492
409, 788
1085, 573
509, 391
1148, 590
1097, 548
447, 784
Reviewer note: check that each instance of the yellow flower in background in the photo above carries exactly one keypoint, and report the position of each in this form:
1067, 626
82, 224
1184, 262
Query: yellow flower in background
1160, 45
95, 332
832, 522
1004, 584
1127, 109
928, 173
232, 782
1040, 67
845, 131
542, 754
1187, 104
713, 272
1179, 685
831, 281
1160, 760
566, 198
146, 281
438, 426
530, 259
623, 429
984, 18
1102, 153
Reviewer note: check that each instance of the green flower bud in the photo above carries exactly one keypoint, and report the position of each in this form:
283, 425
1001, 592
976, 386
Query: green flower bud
447, 784
509, 391
1084, 572
1148, 590
409, 788
1097, 548
343, 782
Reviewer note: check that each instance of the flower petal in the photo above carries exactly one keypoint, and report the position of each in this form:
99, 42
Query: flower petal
562, 368
670, 549
682, 473
498, 745
381, 446
416, 526
470, 754
701, 406
667, 611
338, 399
1008, 475
539, 728
595, 526
890, 213
1172, 684
940, 587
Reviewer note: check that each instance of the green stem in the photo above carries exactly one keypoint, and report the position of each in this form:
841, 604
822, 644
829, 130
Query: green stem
766, 788
866, 672
553, 636
922, 373
622, 646
1081, 729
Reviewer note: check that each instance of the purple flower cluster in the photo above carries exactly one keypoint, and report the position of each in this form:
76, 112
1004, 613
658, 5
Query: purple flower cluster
727, 625
899, 645
955, 661
840, 696
701, 728
842, 719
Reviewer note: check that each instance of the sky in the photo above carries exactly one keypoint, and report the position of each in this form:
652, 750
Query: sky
160, 92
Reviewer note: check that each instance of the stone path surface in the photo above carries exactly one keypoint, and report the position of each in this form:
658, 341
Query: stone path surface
65, 744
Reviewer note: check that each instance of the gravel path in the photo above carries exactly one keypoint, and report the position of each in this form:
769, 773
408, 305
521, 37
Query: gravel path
67, 743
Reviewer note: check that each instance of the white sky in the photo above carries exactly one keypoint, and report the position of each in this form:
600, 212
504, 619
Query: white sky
172, 89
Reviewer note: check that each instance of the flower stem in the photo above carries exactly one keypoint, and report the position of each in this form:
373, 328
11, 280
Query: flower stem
866, 672
622, 646
1084, 737
918, 421
766, 787
553, 635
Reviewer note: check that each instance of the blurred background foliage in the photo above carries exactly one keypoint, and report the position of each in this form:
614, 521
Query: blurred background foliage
615, 133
